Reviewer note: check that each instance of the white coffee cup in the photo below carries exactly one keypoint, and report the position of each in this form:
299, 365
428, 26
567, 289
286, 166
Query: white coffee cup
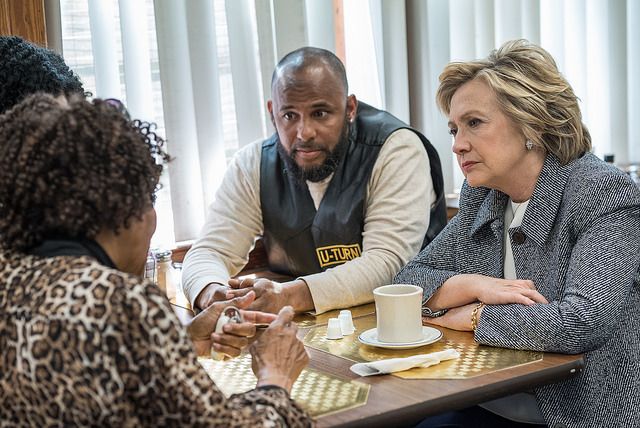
398, 313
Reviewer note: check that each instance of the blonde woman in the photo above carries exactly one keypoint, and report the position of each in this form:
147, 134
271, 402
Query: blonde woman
544, 252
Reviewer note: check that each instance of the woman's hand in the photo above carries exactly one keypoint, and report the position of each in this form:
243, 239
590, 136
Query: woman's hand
278, 355
475, 288
235, 336
498, 291
456, 318
462, 289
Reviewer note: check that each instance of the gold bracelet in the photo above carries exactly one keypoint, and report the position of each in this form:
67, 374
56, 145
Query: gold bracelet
474, 316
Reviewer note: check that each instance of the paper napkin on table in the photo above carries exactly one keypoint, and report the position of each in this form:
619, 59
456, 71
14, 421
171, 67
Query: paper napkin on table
399, 364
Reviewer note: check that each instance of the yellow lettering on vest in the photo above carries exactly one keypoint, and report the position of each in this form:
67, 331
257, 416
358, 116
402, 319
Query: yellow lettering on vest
337, 254
324, 257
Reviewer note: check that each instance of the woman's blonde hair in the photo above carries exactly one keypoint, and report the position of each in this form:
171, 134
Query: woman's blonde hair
531, 91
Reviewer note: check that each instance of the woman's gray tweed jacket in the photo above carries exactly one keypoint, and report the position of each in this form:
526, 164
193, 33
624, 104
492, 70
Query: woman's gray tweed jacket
581, 248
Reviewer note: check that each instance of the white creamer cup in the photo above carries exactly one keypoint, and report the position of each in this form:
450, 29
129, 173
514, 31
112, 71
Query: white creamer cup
333, 329
398, 313
346, 323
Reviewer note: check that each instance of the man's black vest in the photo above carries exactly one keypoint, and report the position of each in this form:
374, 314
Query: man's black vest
300, 240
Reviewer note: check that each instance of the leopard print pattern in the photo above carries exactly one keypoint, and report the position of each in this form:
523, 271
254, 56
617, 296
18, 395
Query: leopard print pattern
85, 345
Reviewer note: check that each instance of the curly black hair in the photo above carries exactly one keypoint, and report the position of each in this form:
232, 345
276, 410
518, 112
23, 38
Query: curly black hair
70, 168
26, 68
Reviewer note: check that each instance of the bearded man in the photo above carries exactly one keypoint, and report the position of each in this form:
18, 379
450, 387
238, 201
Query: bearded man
343, 195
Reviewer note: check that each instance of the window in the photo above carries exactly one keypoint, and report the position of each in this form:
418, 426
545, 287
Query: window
82, 43
220, 55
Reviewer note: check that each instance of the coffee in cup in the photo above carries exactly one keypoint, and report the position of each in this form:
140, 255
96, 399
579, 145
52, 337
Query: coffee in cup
398, 313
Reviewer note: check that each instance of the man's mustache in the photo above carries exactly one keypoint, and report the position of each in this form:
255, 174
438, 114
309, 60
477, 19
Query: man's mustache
307, 146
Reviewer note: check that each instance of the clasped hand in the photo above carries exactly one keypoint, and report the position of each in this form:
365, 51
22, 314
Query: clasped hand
278, 355
270, 295
462, 293
499, 291
234, 337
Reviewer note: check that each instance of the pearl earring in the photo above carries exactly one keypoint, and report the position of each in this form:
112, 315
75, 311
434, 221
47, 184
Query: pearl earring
528, 145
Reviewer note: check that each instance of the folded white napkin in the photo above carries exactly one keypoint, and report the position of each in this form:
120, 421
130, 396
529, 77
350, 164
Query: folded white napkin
399, 364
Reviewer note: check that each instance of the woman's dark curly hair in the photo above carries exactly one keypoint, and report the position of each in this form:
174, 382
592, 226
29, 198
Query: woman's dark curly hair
26, 68
70, 168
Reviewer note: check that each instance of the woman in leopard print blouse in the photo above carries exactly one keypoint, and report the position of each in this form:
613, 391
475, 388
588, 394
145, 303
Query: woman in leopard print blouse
83, 340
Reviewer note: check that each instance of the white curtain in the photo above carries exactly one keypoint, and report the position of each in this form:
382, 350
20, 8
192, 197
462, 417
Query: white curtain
214, 79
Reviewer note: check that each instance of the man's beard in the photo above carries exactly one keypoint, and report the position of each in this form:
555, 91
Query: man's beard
320, 172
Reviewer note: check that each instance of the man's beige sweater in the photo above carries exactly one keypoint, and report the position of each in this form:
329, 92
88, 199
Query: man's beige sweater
398, 199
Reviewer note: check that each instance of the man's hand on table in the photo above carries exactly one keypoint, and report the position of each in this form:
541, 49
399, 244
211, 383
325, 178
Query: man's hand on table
272, 296
213, 292
235, 336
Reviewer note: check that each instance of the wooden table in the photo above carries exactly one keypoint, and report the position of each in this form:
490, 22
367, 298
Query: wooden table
395, 402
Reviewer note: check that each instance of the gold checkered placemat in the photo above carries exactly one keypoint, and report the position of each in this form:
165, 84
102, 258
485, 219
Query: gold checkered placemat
474, 359
319, 393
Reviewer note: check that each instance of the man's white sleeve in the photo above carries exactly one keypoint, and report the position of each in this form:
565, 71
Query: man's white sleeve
399, 197
234, 220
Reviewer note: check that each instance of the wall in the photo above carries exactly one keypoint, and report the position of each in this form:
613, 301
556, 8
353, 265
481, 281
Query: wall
24, 18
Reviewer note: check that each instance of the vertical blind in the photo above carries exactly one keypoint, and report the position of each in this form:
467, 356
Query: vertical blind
596, 44
201, 69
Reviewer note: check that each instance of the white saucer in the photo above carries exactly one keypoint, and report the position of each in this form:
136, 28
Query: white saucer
429, 335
